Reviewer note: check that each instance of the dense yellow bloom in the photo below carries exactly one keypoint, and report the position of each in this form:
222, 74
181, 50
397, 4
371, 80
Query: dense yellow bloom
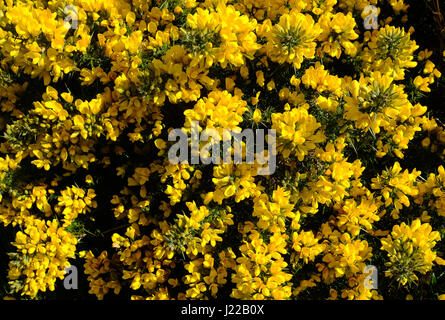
234, 181
319, 79
275, 211
220, 110
354, 215
97, 269
297, 132
75, 201
431, 191
390, 51
342, 27
259, 270
292, 39
43, 253
307, 246
344, 256
90, 90
410, 250
376, 103
395, 186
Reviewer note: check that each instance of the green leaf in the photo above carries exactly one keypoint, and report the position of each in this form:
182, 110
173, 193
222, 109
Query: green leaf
433, 279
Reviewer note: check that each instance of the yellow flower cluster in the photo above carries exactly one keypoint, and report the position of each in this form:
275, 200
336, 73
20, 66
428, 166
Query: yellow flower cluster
395, 187
74, 201
94, 268
409, 250
260, 272
43, 250
292, 39
389, 50
90, 91
297, 132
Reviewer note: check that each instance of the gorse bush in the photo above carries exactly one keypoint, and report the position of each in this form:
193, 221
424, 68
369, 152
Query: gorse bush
90, 89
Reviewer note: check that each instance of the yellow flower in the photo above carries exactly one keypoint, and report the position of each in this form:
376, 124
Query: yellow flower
292, 39
410, 250
256, 116
297, 132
